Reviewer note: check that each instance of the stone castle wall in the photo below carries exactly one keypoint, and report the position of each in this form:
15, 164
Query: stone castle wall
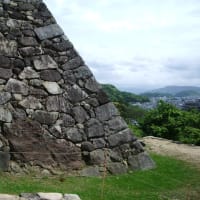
53, 113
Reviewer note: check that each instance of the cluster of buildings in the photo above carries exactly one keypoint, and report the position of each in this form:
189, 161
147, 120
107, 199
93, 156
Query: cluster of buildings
185, 103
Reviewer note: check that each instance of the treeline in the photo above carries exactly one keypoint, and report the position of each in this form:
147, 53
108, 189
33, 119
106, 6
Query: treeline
169, 122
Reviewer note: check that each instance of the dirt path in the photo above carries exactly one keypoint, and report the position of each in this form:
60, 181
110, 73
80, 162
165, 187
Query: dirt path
184, 152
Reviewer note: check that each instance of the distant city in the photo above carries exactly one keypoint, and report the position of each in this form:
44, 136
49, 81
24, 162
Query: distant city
191, 102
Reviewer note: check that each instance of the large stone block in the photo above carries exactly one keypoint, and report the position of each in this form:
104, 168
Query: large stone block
5, 73
4, 97
106, 112
8, 48
18, 87
5, 115
44, 62
49, 31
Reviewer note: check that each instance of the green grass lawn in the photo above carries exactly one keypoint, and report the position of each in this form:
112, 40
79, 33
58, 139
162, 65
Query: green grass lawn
172, 179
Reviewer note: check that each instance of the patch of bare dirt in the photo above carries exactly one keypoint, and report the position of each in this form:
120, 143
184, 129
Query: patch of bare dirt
188, 153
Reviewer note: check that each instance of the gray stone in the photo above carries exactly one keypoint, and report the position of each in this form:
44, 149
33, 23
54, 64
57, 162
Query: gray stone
82, 72
87, 146
58, 103
120, 138
141, 161
8, 197
15, 86
98, 157
92, 85
71, 197
52, 87
117, 168
73, 134
8, 48
36, 82
4, 161
4, 97
67, 120
50, 196
90, 171
28, 41
44, 62
28, 73
30, 103
99, 143
106, 112
5, 73
75, 94
5, 62
94, 128
73, 63
80, 114
50, 75
49, 31
117, 124
5, 115
43, 117
39, 93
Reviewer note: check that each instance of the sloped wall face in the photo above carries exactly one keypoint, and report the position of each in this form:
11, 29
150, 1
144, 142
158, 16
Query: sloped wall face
53, 113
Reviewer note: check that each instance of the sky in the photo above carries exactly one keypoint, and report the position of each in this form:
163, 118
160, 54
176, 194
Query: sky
137, 45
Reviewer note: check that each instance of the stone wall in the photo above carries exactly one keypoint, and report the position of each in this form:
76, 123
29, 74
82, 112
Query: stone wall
40, 196
53, 113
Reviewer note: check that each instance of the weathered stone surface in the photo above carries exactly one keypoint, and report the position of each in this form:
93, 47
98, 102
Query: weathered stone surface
117, 124
4, 97
87, 146
15, 86
8, 48
50, 196
28, 41
55, 152
49, 31
140, 161
94, 128
73, 63
90, 171
71, 197
80, 114
5, 62
43, 117
28, 73
82, 72
73, 134
67, 120
30, 103
58, 103
117, 168
39, 93
5, 115
4, 161
97, 157
52, 87
122, 137
50, 75
99, 143
8, 197
92, 85
44, 62
75, 94
106, 112
5, 73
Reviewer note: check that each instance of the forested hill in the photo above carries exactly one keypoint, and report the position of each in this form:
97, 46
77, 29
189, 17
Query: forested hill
116, 95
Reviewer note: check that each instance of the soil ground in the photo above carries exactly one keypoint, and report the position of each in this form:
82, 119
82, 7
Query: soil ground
188, 153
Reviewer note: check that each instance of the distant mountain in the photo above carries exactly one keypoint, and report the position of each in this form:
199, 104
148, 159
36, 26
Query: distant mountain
176, 91
116, 95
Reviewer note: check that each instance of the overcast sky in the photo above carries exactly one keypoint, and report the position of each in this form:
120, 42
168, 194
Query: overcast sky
135, 44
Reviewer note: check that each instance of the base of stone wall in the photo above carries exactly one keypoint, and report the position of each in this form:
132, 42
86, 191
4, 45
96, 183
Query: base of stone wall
40, 196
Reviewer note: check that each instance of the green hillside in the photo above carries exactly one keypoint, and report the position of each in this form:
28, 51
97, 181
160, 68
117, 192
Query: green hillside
116, 95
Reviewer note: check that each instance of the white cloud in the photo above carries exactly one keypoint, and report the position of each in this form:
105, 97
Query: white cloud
135, 39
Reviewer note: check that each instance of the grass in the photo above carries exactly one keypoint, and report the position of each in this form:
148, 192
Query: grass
172, 179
